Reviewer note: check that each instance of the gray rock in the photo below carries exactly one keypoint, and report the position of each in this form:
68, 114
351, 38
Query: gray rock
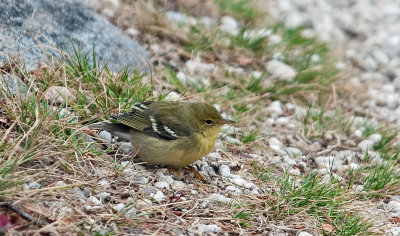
106, 136
11, 83
30, 30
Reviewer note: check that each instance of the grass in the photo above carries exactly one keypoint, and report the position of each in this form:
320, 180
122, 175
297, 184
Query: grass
322, 201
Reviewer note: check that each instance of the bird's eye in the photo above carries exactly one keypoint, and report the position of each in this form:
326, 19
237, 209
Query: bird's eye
209, 122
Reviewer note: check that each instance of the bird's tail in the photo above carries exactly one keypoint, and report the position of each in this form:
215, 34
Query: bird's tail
120, 130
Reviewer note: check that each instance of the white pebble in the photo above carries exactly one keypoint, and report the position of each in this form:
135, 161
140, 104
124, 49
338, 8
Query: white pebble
231, 140
208, 229
366, 145
224, 170
282, 121
132, 32
293, 152
229, 25
375, 138
229, 129
194, 192
358, 133
103, 195
60, 183
94, 201
394, 206
161, 185
353, 166
178, 185
275, 109
275, 141
281, 71
304, 233
294, 171
233, 189
275, 160
104, 183
158, 196
219, 198
289, 161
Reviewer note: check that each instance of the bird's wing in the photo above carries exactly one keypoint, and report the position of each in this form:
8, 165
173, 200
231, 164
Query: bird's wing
144, 118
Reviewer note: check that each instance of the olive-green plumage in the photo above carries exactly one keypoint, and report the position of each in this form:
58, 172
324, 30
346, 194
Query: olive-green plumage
172, 134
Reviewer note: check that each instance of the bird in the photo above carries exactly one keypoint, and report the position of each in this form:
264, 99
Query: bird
166, 133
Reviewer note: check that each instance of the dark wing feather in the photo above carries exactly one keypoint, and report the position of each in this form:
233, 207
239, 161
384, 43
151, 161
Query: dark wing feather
144, 118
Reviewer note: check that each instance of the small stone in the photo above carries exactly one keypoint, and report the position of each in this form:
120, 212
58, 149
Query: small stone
93, 200
208, 229
60, 183
142, 180
282, 121
124, 164
32, 185
103, 195
229, 25
233, 189
394, 206
366, 145
294, 171
289, 161
119, 207
304, 233
275, 141
293, 152
281, 71
173, 96
178, 185
196, 65
353, 166
214, 156
276, 160
161, 185
125, 148
106, 136
194, 192
229, 129
290, 106
224, 170
358, 133
158, 196
393, 231
275, 109
375, 138
104, 183
219, 198
132, 32
231, 140
131, 212
323, 171
167, 178
58, 94
243, 183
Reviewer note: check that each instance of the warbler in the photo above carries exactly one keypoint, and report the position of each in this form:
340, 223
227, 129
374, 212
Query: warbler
168, 134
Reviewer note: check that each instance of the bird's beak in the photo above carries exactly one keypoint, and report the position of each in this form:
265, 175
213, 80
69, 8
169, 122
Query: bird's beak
227, 121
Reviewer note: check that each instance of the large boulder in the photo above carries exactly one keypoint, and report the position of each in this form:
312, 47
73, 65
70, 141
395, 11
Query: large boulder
32, 29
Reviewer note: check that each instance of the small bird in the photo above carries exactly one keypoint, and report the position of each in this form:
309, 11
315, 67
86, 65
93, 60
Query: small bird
168, 134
